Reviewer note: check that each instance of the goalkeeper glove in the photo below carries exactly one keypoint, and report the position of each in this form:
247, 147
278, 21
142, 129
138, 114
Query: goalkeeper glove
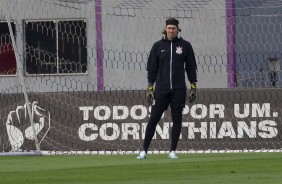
193, 93
150, 94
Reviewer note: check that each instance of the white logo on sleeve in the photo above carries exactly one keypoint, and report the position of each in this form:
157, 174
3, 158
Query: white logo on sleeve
179, 50
162, 50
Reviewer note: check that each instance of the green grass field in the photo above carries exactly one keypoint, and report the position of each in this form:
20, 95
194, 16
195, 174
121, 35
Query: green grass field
254, 168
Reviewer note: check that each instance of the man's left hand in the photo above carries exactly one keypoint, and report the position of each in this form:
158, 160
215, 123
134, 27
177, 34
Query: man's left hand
150, 94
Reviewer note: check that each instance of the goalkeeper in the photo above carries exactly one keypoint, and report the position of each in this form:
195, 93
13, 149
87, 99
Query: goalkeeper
168, 61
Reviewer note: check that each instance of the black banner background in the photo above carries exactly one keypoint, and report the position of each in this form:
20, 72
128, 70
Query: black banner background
66, 119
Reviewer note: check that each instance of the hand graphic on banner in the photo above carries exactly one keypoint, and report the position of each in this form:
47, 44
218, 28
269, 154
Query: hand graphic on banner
18, 122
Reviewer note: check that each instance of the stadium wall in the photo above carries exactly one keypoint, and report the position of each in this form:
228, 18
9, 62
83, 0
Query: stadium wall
128, 35
258, 40
44, 11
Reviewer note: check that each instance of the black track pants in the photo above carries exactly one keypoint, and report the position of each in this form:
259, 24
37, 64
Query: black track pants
176, 99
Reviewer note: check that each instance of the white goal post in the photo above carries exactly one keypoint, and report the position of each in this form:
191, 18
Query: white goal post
73, 76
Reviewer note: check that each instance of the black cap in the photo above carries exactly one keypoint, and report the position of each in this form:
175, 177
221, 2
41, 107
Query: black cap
172, 21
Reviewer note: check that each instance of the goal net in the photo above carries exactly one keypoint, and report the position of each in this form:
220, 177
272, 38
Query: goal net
73, 75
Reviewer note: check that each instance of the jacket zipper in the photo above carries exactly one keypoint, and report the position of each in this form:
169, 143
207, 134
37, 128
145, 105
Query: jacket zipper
170, 74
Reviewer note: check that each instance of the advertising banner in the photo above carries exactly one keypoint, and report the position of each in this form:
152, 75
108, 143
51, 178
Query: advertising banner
220, 119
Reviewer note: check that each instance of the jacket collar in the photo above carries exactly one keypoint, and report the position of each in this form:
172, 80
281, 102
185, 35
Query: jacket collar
175, 39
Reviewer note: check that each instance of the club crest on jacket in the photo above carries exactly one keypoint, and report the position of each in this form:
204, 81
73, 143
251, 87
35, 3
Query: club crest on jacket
179, 50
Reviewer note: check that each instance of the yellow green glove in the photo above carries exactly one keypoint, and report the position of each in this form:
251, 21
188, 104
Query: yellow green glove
150, 94
193, 93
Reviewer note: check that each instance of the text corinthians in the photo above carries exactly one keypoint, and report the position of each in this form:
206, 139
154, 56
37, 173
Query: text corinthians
213, 121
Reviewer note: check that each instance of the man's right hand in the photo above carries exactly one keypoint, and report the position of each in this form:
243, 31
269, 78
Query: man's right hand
193, 93
150, 94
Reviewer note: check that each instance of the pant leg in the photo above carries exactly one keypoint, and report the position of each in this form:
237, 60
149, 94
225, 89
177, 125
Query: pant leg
177, 104
176, 115
162, 99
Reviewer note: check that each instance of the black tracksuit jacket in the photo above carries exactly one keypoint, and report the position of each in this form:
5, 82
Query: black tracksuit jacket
168, 61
